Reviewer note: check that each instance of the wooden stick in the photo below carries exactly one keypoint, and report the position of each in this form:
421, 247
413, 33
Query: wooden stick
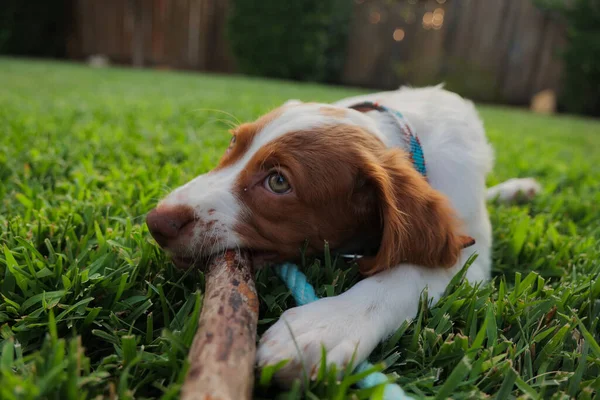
224, 347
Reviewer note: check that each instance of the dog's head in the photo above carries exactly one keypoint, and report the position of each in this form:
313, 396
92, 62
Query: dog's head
302, 175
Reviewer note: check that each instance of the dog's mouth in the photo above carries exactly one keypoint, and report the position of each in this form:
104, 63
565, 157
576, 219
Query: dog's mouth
260, 258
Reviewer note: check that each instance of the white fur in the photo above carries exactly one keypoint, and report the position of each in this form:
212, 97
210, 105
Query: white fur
458, 158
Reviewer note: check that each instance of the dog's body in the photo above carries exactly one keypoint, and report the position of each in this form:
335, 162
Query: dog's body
328, 173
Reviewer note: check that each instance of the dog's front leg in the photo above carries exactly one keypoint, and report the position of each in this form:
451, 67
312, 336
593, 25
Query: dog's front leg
352, 323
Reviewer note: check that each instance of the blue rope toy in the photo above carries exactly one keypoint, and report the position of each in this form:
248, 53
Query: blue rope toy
304, 293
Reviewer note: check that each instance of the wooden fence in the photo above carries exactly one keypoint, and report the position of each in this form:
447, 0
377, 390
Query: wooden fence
178, 34
497, 50
503, 50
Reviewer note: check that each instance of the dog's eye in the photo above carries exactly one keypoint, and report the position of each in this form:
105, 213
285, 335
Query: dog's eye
277, 183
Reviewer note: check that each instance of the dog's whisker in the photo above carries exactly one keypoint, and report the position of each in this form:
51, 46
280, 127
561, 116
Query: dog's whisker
218, 111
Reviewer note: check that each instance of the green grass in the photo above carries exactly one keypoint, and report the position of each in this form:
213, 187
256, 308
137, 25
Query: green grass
90, 306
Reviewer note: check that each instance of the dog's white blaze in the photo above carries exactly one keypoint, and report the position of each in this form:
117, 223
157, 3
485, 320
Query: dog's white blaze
305, 117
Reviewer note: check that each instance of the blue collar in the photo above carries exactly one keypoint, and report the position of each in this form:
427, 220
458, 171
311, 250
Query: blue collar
413, 144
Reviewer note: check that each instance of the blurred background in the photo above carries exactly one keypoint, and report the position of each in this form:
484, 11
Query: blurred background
543, 54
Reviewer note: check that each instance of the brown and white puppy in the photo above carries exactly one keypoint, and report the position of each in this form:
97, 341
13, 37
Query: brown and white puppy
315, 173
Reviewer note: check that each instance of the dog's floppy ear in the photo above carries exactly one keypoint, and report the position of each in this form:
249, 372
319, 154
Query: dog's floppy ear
418, 226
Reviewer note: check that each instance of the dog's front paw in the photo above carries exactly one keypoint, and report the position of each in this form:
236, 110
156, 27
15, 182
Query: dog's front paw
302, 332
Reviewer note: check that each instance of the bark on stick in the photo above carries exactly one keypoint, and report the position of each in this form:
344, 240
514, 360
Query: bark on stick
223, 352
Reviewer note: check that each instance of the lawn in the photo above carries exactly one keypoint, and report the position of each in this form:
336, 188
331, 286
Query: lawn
91, 307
